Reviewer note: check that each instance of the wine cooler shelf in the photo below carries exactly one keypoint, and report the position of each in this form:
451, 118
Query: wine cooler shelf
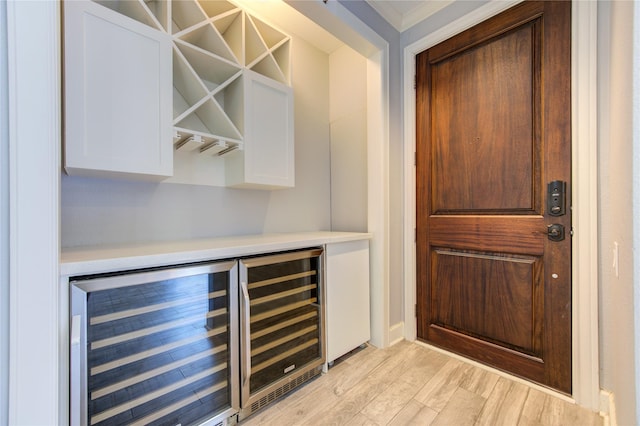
194, 343
214, 44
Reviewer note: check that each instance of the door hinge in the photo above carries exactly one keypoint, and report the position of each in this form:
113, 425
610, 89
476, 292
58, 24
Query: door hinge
415, 82
415, 235
415, 310
415, 159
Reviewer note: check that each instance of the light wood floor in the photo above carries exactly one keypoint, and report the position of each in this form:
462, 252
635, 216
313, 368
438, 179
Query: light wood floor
409, 384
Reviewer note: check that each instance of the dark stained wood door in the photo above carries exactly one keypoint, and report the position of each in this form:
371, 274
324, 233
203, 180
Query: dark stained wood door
493, 129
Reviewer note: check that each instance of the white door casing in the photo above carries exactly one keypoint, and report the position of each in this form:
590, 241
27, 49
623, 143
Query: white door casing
33, 37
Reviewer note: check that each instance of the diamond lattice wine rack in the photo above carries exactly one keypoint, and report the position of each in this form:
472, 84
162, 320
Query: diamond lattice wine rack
214, 43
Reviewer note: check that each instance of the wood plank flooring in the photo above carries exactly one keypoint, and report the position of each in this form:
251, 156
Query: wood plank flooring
409, 384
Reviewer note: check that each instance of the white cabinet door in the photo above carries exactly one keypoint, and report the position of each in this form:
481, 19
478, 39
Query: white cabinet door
267, 158
118, 94
347, 287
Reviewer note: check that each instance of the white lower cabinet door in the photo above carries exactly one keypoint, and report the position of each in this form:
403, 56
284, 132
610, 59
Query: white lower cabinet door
118, 94
347, 287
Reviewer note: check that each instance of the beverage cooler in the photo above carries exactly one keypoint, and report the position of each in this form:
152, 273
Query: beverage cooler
282, 323
193, 344
155, 347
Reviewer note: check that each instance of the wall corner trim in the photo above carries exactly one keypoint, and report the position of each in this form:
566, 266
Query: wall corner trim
396, 333
608, 408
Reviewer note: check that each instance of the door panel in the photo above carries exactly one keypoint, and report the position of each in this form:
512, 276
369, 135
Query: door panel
490, 296
488, 111
493, 128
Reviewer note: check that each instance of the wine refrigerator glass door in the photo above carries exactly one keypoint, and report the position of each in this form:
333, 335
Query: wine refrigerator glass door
155, 347
281, 326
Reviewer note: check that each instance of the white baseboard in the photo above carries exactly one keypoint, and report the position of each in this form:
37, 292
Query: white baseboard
396, 333
608, 408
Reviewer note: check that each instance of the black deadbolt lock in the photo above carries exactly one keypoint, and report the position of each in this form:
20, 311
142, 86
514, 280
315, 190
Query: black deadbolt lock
556, 198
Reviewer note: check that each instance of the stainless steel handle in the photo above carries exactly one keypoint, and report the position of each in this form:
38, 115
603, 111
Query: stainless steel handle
77, 415
75, 330
245, 326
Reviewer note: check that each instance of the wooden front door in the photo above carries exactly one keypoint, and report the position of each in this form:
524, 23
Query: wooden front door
493, 130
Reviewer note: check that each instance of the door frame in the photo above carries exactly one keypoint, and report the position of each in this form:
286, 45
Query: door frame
585, 351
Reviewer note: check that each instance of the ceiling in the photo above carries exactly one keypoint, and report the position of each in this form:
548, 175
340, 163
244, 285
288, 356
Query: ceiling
403, 14
281, 15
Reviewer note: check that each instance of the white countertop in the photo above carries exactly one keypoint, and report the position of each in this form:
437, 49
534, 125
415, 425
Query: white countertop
95, 260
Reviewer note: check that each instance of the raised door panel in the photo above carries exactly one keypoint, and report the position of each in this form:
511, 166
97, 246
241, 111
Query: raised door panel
494, 297
117, 94
483, 120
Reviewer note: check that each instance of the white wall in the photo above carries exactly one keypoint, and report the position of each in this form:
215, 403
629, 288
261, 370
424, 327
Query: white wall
105, 211
4, 221
617, 349
307, 206
348, 117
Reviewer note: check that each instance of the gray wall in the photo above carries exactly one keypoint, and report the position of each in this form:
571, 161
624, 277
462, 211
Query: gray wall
616, 121
396, 170
4, 221
105, 211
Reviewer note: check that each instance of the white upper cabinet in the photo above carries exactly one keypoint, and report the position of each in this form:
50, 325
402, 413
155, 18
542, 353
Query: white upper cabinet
117, 94
205, 76
267, 160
